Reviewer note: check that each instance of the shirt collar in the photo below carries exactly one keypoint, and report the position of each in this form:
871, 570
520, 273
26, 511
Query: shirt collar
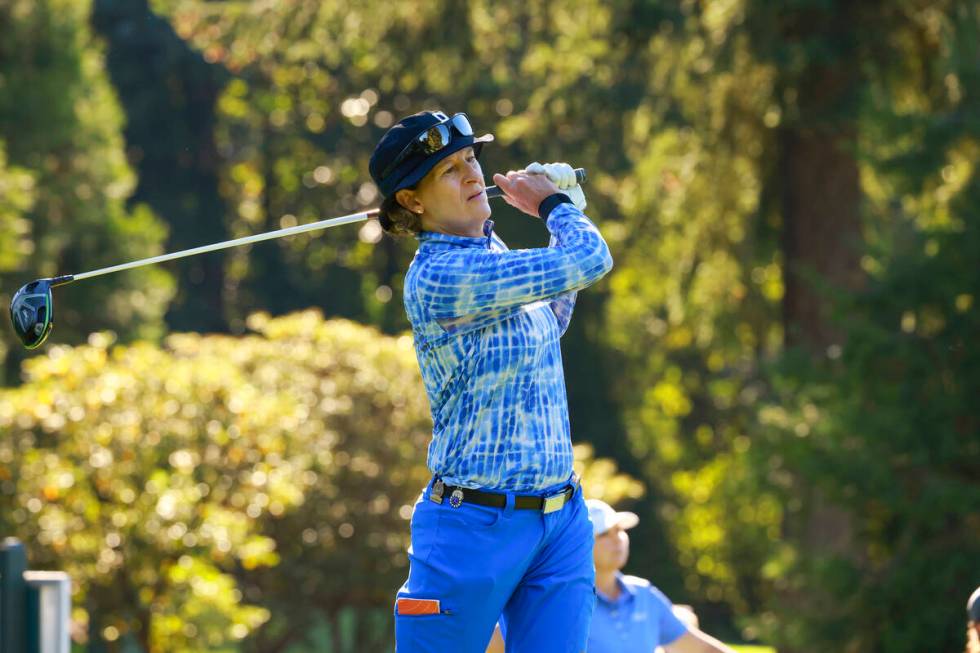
626, 591
623, 585
440, 240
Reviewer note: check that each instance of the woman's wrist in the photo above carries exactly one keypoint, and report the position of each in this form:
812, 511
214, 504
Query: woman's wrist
549, 203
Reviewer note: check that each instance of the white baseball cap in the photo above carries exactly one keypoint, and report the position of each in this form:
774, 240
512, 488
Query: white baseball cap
973, 607
604, 517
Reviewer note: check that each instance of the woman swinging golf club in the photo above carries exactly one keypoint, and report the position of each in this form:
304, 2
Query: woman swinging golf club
501, 530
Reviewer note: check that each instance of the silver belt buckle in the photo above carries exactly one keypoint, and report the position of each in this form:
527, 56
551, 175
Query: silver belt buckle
554, 502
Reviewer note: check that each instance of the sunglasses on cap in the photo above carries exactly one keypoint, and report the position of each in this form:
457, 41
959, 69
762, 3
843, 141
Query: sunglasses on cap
432, 139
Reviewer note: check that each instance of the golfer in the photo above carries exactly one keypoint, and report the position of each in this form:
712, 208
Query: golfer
501, 530
633, 616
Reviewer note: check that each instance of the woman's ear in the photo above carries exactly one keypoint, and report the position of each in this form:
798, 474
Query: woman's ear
408, 199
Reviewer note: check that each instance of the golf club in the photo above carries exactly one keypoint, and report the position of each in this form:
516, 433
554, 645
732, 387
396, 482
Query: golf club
32, 307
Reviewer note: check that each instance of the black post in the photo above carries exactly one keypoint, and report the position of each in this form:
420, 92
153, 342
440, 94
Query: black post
13, 564
32, 619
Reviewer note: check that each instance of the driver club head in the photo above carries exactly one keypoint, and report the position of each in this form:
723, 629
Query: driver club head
32, 312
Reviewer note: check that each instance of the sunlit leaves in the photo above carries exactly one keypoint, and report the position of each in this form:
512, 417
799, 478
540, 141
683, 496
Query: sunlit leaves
601, 479
16, 197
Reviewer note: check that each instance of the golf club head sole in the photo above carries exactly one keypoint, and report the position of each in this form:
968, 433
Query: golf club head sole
32, 313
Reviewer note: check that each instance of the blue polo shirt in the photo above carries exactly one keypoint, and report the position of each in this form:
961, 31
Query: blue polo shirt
638, 621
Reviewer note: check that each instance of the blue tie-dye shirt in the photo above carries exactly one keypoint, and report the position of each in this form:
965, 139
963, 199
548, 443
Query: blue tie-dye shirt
487, 322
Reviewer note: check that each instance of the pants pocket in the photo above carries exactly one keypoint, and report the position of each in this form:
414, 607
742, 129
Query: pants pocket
424, 529
423, 633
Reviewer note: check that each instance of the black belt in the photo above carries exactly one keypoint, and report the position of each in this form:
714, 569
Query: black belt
458, 495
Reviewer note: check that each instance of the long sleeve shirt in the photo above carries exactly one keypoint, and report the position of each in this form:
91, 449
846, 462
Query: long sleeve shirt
487, 322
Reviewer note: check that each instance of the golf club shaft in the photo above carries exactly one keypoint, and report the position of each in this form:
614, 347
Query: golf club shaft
492, 191
269, 235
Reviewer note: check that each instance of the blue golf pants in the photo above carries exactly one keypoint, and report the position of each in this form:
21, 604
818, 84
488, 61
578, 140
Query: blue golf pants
530, 570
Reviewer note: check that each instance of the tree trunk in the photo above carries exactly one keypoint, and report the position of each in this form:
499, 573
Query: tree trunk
821, 231
169, 94
821, 245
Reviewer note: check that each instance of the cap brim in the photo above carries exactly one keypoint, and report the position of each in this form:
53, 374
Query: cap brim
627, 520
416, 175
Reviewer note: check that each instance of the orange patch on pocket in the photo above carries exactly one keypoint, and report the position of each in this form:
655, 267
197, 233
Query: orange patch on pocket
417, 606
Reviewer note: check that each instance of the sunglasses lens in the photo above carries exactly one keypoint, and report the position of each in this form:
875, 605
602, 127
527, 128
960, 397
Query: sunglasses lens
434, 139
462, 125
438, 137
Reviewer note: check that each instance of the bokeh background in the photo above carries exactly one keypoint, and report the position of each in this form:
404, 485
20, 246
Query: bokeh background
781, 376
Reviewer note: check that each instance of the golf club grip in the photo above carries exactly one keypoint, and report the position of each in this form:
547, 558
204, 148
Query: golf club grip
580, 177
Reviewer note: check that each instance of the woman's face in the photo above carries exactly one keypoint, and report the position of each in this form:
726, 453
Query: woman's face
452, 197
611, 550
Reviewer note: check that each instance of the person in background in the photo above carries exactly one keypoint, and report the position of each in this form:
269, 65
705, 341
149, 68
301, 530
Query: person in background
631, 615
686, 614
683, 612
973, 623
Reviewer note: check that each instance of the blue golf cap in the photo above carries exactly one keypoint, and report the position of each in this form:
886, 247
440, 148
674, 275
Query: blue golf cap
411, 148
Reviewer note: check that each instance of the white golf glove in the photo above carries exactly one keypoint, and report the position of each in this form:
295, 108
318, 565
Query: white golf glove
561, 175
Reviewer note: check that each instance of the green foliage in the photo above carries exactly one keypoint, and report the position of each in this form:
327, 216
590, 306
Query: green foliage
751, 444
17, 195
162, 479
601, 479
169, 94
695, 302
66, 175
889, 431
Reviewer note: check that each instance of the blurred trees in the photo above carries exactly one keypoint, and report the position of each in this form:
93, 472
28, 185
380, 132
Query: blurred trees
792, 155
884, 425
165, 480
169, 93
17, 193
65, 179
